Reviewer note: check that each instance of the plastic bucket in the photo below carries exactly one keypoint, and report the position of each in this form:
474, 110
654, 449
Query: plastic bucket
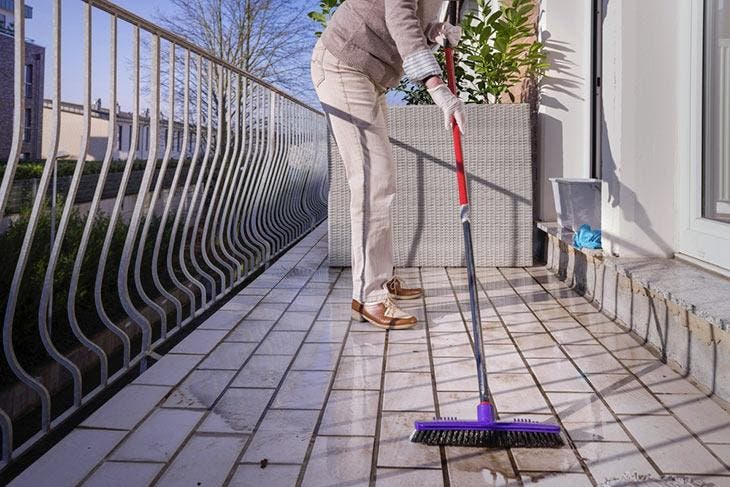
577, 202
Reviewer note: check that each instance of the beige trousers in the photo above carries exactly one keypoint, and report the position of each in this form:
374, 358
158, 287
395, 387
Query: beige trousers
356, 112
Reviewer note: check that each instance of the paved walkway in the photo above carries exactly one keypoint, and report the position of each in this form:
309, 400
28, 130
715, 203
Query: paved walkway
280, 388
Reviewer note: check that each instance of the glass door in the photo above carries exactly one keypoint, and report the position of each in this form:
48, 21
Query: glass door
716, 156
703, 174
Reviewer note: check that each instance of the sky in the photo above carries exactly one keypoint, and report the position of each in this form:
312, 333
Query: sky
39, 29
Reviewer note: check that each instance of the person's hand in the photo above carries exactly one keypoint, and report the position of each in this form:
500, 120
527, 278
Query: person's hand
451, 105
448, 33
442, 33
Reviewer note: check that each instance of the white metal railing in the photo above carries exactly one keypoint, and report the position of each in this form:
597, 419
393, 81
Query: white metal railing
254, 183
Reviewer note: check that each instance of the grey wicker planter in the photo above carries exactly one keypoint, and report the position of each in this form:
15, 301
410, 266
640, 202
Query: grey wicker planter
427, 229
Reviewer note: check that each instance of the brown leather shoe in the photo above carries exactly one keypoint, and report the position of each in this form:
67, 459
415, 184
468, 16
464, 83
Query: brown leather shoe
397, 291
383, 315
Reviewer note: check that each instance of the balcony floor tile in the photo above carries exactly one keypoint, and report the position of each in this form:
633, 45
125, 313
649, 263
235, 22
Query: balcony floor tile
281, 378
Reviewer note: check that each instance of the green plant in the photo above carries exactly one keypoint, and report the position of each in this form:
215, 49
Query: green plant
321, 16
26, 339
66, 167
417, 94
496, 53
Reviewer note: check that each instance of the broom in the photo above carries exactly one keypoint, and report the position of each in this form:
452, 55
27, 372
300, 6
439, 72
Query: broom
485, 431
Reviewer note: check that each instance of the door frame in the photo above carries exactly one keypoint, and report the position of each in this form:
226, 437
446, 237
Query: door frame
701, 238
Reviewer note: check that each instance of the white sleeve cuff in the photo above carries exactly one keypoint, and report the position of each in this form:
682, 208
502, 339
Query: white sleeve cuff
421, 64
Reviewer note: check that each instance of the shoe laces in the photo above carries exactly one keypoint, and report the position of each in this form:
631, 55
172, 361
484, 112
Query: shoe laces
395, 282
392, 309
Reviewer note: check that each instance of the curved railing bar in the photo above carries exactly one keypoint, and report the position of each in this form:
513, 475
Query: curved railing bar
307, 212
247, 221
18, 105
323, 140
235, 193
171, 195
93, 208
272, 166
208, 201
305, 195
231, 161
265, 183
231, 183
302, 214
300, 195
314, 137
24, 377
182, 206
285, 214
278, 169
131, 237
279, 201
98, 300
138, 319
153, 203
68, 207
320, 147
292, 213
204, 203
209, 233
198, 187
242, 195
6, 427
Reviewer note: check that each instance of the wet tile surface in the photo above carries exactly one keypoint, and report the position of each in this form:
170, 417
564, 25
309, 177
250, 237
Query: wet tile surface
280, 375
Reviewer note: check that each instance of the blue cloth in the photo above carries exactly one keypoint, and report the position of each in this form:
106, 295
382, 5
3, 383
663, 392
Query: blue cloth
587, 238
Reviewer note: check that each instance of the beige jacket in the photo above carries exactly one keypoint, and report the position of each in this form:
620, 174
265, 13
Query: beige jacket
385, 38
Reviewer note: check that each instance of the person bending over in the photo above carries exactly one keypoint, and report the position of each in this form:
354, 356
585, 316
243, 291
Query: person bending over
365, 49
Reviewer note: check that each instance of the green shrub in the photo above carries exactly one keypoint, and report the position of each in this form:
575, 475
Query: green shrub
66, 167
494, 54
26, 339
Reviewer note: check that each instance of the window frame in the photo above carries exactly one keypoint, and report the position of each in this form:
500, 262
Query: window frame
696, 236
29, 80
28, 126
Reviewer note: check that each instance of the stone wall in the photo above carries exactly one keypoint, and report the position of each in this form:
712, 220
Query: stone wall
659, 301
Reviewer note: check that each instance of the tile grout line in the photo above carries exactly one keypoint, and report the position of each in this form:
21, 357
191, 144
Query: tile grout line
277, 389
571, 443
207, 411
318, 422
631, 374
434, 390
593, 388
510, 455
161, 401
379, 413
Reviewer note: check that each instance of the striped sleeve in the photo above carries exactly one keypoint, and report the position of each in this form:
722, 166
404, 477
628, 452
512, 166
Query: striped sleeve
421, 64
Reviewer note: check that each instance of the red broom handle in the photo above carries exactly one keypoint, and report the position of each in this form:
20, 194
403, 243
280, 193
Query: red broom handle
460, 176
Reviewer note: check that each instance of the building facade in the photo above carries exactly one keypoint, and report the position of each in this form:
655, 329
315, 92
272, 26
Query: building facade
32, 90
72, 128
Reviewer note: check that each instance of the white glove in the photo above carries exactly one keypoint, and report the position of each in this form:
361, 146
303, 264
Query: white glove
450, 104
441, 32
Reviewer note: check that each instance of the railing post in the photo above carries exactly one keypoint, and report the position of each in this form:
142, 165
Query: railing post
249, 190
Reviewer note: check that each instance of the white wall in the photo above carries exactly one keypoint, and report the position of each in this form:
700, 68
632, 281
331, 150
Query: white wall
565, 97
72, 128
640, 150
70, 135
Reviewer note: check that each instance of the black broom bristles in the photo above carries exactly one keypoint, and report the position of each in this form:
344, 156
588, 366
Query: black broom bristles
488, 439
